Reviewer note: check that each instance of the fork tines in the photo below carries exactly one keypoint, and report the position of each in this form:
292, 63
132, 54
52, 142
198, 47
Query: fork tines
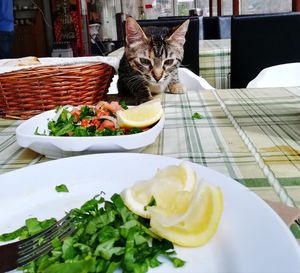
23, 252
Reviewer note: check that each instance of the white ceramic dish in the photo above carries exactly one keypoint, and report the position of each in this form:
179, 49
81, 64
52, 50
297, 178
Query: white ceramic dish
56, 147
251, 238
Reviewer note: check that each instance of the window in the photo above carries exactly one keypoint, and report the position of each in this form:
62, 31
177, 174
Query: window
151, 9
183, 7
227, 7
266, 6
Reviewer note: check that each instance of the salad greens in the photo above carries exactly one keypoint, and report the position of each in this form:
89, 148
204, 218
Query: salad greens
107, 237
88, 121
61, 188
196, 115
31, 227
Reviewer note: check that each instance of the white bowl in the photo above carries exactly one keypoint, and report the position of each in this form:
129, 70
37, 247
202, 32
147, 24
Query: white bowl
64, 146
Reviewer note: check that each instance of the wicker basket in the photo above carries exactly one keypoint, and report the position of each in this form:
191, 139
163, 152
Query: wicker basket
25, 93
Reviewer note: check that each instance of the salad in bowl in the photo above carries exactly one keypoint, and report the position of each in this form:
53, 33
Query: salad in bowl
104, 127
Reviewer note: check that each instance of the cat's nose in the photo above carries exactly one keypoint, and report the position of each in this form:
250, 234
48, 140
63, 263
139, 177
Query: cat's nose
157, 76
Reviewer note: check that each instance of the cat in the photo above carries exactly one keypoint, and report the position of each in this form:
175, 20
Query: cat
150, 62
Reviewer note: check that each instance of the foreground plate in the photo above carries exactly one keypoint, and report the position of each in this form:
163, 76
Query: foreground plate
251, 236
56, 147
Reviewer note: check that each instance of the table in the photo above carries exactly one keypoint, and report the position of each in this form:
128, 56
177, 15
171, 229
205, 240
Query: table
251, 135
214, 61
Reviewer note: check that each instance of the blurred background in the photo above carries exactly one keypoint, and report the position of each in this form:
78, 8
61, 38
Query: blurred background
94, 27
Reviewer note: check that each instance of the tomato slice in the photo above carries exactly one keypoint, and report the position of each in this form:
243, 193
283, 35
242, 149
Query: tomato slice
107, 124
85, 122
96, 122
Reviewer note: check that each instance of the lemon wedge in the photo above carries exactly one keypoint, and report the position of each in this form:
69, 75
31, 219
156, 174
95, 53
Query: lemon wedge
185, 212
197, 225
140, 116
171, 180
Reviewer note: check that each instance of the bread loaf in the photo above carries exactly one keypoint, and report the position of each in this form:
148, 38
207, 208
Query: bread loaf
26, 61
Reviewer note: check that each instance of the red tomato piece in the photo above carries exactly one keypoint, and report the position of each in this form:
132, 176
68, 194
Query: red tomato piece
96, 122
85, 122
107, 124
76, 113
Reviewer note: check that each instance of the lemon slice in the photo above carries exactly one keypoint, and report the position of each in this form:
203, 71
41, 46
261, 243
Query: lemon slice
185, 212
164, 186
197, 224
140, 116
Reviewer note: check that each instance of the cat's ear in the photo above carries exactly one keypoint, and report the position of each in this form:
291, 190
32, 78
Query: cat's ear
178, 35
134, 32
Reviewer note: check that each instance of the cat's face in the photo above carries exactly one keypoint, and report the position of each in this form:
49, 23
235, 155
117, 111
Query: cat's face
155, 52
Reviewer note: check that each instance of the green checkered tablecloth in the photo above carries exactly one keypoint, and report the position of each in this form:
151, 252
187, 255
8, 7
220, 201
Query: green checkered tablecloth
214, 61
251, 135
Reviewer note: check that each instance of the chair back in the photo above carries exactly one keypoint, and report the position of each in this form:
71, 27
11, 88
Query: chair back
191, 81
191, 46
224, 27
283, 75
187, 78
211, 28
260, 41
200, 18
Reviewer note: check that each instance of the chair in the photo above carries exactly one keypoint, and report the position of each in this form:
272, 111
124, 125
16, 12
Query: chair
211, 28
191, 46
191, 81
200, 18
284, 75
224, 27
188, 79
113, 87
261, 41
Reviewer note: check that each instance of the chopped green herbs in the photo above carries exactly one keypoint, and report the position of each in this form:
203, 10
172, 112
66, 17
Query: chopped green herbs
87, 121
32, 226
151, 203
123, 104
107, 237
196, 115
61, 188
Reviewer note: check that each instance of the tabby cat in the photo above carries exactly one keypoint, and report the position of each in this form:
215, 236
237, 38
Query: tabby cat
150, 61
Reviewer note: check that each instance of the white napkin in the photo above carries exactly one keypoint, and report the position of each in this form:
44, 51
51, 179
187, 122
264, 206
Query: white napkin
112, 61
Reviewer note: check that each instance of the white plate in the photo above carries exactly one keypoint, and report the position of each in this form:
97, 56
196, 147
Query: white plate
251, 237
56, 147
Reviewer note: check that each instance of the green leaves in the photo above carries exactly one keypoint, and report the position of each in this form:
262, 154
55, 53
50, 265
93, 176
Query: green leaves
107, 237
12, 235
152, 203
32, 226
85, 122
61, 188
123, 104
196, 115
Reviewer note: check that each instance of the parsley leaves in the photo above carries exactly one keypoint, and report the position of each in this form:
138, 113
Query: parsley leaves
196, 115
61, 188
107, 237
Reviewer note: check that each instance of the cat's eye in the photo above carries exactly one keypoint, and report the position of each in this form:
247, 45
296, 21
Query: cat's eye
145, 61
169, 62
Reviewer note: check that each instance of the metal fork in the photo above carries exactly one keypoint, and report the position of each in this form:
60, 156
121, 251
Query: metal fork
20, 253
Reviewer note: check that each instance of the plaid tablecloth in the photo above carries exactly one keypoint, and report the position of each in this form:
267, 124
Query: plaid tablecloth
214, 61
251, 135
